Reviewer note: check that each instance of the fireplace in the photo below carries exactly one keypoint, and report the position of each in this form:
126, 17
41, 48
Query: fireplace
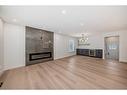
38, 56
39, 45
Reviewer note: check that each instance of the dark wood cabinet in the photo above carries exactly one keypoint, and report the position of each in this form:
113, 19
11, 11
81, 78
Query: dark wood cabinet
98, 53
83, 52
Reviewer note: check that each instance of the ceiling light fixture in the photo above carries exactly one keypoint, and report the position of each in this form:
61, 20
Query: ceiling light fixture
14, 20
63, 12
83, 40
82, 24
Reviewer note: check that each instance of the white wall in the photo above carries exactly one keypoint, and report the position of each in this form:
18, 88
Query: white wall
95, 42
61, 43
14, 46
123, 46
1, 47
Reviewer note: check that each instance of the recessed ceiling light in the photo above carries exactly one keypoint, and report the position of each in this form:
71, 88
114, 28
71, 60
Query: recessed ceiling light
82, 24
64, 12
14, 20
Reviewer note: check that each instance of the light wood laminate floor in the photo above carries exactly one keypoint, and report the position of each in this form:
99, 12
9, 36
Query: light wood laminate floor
76, 72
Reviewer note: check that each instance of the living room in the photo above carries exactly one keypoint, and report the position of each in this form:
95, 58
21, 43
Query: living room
63, 47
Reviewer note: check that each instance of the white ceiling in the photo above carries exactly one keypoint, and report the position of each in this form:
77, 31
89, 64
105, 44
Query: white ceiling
70, 20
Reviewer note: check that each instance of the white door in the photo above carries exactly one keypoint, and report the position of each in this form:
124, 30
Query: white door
112, 48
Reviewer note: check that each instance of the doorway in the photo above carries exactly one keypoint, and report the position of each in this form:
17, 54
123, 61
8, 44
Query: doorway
112, 47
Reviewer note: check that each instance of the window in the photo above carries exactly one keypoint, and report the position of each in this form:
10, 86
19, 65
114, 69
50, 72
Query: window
71, 46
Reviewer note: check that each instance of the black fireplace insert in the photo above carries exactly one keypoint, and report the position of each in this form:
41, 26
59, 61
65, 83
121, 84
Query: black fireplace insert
38, 56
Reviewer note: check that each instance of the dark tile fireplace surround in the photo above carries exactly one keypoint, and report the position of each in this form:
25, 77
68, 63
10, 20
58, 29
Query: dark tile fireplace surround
39, 45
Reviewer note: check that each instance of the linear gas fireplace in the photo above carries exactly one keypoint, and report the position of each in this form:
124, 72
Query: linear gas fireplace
39, 45
38, 56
